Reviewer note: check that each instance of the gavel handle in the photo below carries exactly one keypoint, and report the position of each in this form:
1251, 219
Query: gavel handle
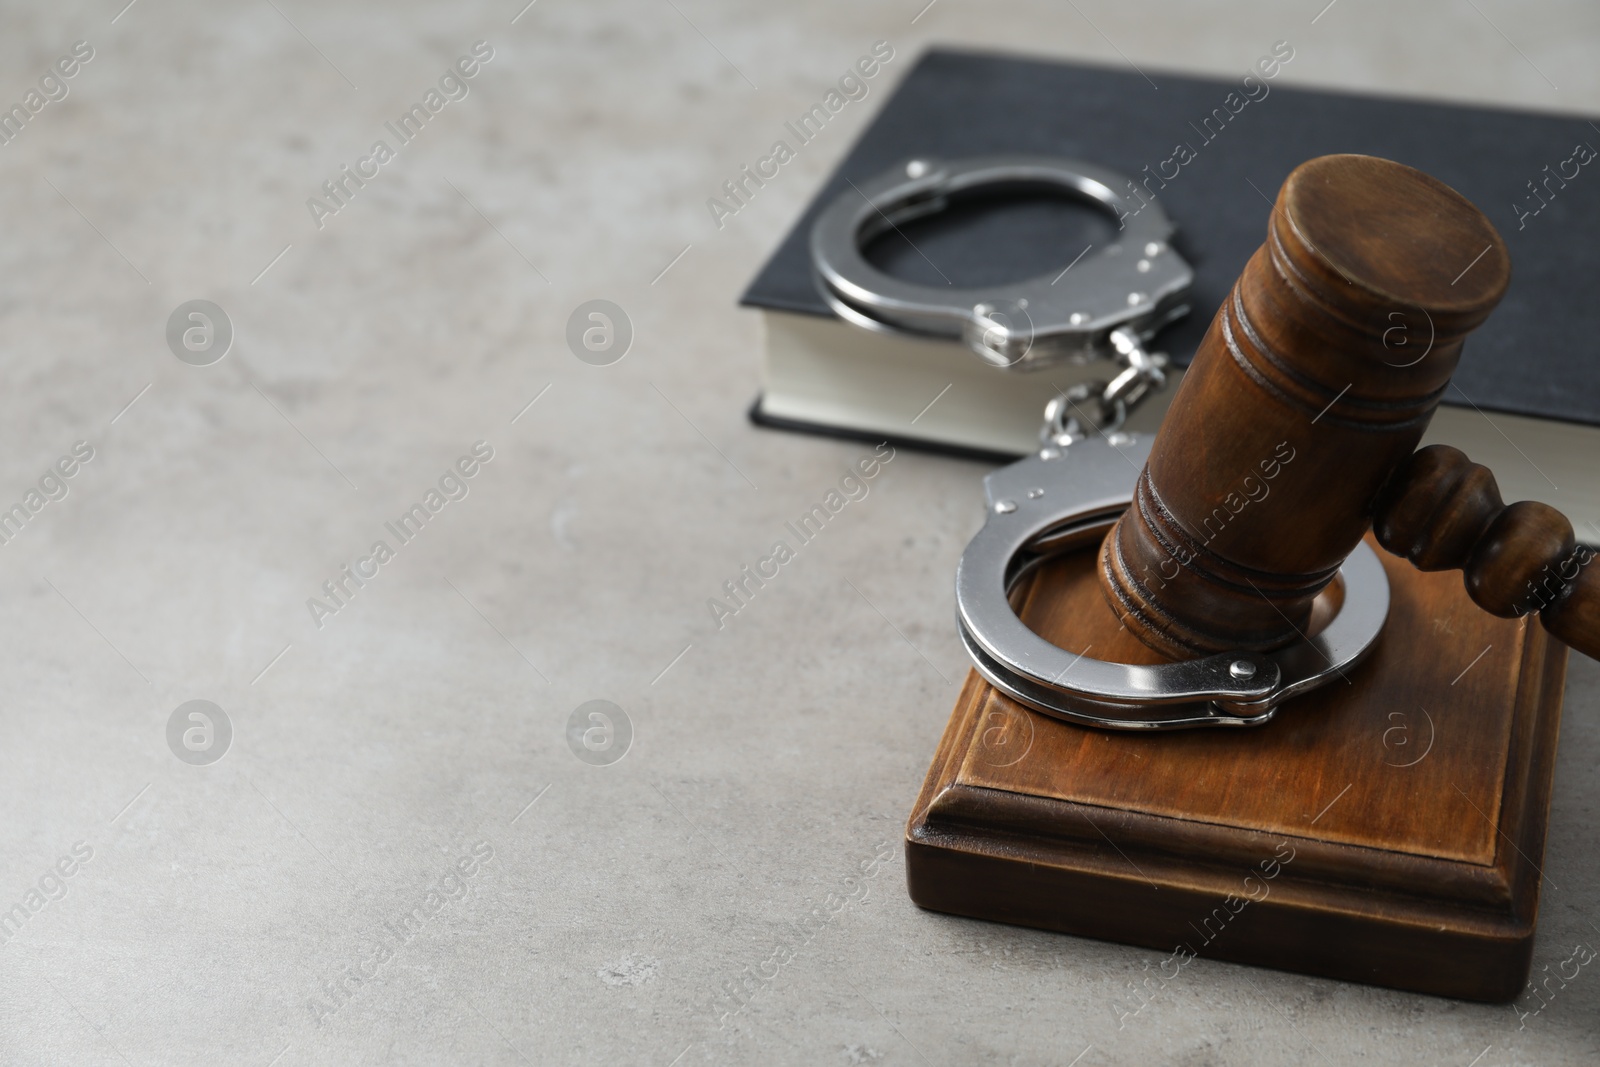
1440, 510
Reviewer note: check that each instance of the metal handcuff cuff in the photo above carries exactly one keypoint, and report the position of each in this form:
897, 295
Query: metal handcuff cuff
1066, 494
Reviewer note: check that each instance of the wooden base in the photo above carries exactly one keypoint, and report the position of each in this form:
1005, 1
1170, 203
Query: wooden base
1386, 829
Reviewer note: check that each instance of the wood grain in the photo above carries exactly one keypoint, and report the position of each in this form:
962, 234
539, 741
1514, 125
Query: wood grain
1316, 380
1415, 863
1441, 510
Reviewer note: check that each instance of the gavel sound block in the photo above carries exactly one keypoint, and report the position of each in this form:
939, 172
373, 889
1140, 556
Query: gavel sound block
1384, 829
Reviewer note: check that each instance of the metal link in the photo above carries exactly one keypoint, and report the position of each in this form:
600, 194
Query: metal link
1143, 373
1064, 415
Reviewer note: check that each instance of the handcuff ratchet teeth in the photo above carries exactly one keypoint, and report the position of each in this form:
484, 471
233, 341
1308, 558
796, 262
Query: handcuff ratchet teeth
1106, 302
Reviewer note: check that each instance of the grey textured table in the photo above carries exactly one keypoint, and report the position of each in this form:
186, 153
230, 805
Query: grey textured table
400, 857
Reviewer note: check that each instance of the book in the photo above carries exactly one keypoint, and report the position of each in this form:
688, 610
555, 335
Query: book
1526, 397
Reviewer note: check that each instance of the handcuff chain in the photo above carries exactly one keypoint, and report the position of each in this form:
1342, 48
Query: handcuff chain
1143, 372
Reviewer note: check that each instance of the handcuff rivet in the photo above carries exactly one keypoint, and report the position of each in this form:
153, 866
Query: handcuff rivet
916, 168
1135, 299
1143, 266
1078, 318
1035, 494
1153, 248
1005, 507
1242, 668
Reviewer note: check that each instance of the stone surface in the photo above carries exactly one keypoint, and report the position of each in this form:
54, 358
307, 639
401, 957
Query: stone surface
771, 762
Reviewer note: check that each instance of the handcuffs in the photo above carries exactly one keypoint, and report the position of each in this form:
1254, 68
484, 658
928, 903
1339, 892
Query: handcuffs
1064, 496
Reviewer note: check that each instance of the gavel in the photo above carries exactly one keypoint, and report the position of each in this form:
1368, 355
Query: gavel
1295, 430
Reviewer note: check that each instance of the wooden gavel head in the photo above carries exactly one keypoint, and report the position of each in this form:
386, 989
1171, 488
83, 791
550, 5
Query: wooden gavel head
1293, 431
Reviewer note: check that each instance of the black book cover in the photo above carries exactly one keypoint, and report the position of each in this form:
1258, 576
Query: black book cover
1535, 175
